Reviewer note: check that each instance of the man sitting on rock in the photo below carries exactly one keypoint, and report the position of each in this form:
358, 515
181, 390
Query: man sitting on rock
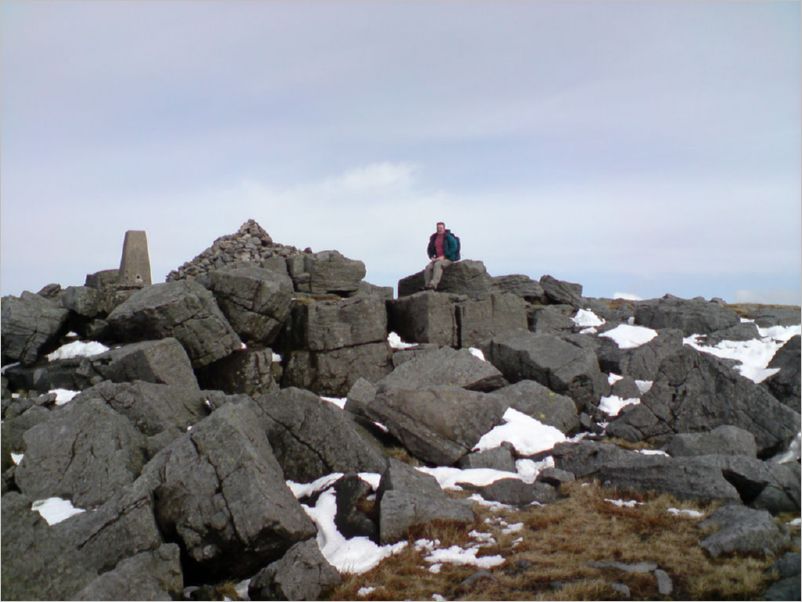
442, 251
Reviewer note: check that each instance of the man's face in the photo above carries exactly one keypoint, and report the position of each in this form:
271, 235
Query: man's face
441, 228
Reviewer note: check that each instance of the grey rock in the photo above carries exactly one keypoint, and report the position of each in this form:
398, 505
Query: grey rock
559, 365
407, 498
766, 316
255, 301
785, 385
359, 396
743, 331
626, 388
401, 356
466, 277
642, 362
695, 392
744, 531
327, 325
555, 476
325, 272
632, 568
690, 316
164, 362
548, 320
220, 491
301, 574
85, 452
522, 286
333, 373
784, 589
541, 403
182, 309
50, 291
515, 492
424, 317
351, 521
664, 584
436, 424
312, 438
725, 439
248, 371
102, 279
788, 565
614, 311
81, 300
14, 429
446, 366
497, 458
479, 320
152, 575
30, 325
561, 291
368, 289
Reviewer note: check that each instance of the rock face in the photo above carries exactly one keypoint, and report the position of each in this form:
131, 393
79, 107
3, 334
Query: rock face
465, 277
248, 371
437, 424
446, 367
325, 272
725, 439
184, 310
553, 362
255, 301
696, 392
560, 291
424, 317
744, 531
690, 316
30, 323
641, 362
165, 362
522, 286
479, 320
301, 574
785, 385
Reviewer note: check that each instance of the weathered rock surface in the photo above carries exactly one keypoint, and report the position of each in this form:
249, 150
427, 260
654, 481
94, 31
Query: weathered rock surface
694, 316
642, 362
549, 320
255, 301
248, 371
466, 277
520, 285
182, 309
164, 361
767, 316
725, 439
695, 392
559, 365
561, 291
301, 574
425, 317
13, 430
30, 325
497, 458
446, 366
479, 320
515, 492
311, 438
743, 331
785, 385
743, 530
325, 272
541, 403
351, 496
436, 424
328, 325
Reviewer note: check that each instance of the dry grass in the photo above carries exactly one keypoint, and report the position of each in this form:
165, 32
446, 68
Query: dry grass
559, 540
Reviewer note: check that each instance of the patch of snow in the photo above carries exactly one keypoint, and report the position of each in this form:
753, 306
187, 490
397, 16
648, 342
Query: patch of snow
627, 297
337, 401
684, 512
71, 334
644, 386
586, 317
794, 523
448, 476
242, 589
517, 541
63, 395
364, 591
396, 343
791, 454
478, 499
15, 396
372, 478
54, 509
207, 403
7, 366
77, 349
613, 378
435, 568
780, 333
627, 336
355, 555
276, 358
16, 458
438, 597
590, 330
426, 544
486, 539
300, 490
242, 345
477, 353
513, 528
529, 469
613, 404
624, 503
458, 555
382, 427
527, 435
653, 452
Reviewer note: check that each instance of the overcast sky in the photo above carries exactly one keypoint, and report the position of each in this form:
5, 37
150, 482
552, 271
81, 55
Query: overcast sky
639, 147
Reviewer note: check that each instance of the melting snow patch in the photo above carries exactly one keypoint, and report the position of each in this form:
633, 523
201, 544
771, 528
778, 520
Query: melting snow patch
644, 386
438, 598
435, 568
364, 591
795, 523
7, 366
63, 395
629, 337
585, 317
513, 528
624, 503
77, 349
300, 490
653, 452
529, 469
458, 555
54, 509
627, 297
448, 477
477, 353
243, 346
684, 512
16, 458
396, 342
495, 506
242, 589
276, 358
613, 378
527, 435
613, 404
337, 401
484, 539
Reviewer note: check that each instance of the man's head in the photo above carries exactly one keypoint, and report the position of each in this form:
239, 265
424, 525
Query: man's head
441, 227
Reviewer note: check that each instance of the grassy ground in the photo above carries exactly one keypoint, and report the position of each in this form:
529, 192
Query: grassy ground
548, 559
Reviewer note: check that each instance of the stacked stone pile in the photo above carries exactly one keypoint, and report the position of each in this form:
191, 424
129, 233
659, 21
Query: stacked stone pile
184, 434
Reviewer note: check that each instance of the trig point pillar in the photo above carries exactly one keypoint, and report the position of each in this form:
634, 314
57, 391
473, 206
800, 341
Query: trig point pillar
135, 263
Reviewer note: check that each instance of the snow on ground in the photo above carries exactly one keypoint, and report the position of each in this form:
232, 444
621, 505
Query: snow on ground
242, 589
653, 452
338, 401
300, 490
458, 555
526, 434
16, 458
794, 523
586, 318
529, 469
627, 297
644, 385
276, 358
477, 353
77, 349
627, 336
754, 355
613, 378
684, 512
396, 342
7, 366
613, 404
448, 477
623, 503
355, 555
54, 509
364, 591
63, 395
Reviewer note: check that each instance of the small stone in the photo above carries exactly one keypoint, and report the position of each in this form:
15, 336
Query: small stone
664, 584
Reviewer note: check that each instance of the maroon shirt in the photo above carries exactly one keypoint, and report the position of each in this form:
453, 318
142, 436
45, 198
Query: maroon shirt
439, 244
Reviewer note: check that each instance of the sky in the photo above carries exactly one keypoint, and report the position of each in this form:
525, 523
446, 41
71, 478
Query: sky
644, 147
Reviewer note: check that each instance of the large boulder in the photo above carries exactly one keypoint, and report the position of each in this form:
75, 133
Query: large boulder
446, 366
725, 439
335, 372
255, 301
408, 498
425, 317
467, 277
744, 531
325, 272
766, 316
785, 385
164, 362
85, 452
312, 438
555, 363
301, 574
220, 491
14, 429
83, 301
479, 320
695, 392
561, 291
182, 309
30, 325
694, 316
437, 424
550, 319
541, 403
520, 285
641, 362
248, 371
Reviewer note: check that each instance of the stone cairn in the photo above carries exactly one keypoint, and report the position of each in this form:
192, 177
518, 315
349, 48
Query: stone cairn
250, 244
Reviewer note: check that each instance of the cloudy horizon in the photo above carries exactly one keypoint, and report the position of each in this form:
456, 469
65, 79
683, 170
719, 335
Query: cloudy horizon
645, 148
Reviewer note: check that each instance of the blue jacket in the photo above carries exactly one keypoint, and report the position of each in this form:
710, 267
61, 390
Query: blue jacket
449, 244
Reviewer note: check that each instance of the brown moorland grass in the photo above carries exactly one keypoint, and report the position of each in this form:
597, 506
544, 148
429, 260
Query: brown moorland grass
548, 559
